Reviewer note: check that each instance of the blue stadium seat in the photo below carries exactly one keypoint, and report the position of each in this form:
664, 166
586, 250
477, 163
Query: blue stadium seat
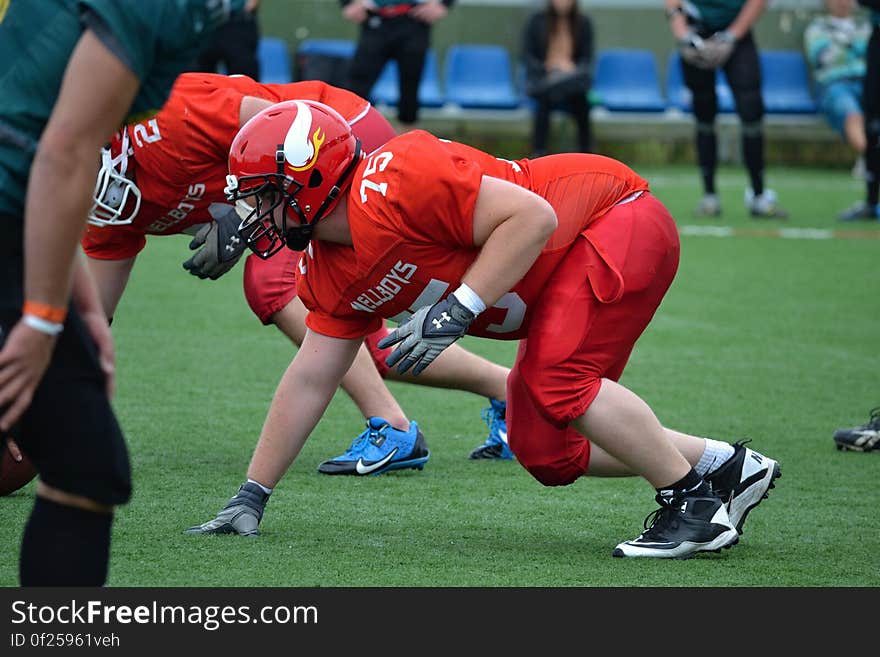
335, 47
480, 77
679, 96
386, 91
273, 58
786, 83
626, 80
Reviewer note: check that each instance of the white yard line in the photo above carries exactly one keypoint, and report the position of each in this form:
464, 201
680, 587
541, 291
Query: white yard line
738, 181
778, 233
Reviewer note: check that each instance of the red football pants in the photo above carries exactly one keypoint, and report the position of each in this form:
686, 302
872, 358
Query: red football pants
595, 306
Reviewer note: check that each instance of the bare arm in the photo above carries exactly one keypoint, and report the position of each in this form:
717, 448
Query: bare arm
300, 400
429, 12
356, 10
251, 105
88, 302
678, 23
111, 278
511, 224
95, 96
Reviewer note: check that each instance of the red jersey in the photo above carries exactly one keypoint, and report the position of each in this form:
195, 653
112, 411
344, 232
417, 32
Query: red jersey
180, 155
410, 212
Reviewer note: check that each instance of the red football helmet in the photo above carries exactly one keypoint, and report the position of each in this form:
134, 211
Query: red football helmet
297, 156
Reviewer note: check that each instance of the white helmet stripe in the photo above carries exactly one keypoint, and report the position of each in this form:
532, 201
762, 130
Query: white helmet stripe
298, 148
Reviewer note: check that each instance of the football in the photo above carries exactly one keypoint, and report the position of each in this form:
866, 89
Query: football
14, 474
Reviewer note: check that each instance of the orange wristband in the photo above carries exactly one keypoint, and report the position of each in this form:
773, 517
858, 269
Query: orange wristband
44, 311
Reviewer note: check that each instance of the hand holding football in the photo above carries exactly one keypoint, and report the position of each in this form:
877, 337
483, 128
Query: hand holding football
14, 474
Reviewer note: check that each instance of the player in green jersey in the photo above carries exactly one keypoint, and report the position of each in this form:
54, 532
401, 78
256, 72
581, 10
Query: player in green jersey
713, 35
71, 73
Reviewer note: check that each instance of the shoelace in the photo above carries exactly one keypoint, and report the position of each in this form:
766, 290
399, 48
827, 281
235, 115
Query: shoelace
491, 417
667, 508
367, 435
488, 415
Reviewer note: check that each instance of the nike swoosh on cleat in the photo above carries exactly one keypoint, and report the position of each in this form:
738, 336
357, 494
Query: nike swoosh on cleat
363, 469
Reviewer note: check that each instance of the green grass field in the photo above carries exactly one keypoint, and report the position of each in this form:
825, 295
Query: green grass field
760, 336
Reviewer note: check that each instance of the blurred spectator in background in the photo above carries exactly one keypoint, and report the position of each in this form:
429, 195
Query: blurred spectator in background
396, 30
232, 49
835, 45
557, 53
713, 34
869, 209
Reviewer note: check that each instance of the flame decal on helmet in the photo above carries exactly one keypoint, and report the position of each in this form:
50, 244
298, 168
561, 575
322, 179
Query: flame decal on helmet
300, 150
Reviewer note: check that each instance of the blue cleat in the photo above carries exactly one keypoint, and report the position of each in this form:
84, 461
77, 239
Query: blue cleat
496, 446
380, 448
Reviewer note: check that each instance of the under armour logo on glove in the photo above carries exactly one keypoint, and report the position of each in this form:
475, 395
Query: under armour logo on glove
438, 323
221, 247
426, 334
232, 247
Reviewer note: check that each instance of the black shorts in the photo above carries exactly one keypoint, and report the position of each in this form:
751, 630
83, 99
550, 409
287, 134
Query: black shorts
69, 431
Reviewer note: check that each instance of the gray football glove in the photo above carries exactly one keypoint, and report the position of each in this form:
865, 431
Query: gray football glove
427, 333
221, 247
241, 515
718, 48
691, 47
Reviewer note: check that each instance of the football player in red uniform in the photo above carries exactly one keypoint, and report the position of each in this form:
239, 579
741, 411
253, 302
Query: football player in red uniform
570, 253
165, 176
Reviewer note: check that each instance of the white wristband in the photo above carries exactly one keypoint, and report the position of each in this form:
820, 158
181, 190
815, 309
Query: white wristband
42, 325
470, 299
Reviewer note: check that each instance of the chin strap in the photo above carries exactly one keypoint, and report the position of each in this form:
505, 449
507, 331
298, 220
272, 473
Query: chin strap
297, 238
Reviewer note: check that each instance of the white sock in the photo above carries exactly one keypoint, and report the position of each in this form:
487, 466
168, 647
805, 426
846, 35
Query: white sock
268, 491
714, 456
